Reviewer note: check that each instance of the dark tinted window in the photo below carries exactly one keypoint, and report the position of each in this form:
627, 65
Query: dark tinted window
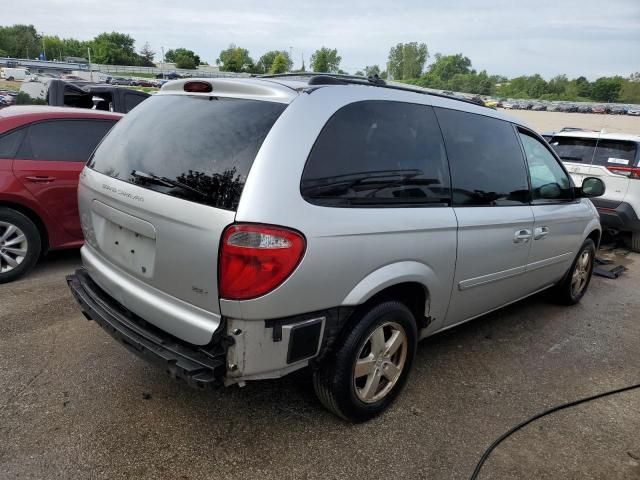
583, 150
131, 100
9, 143
487, 167
207, 144
65, 140
378, 153
549, 182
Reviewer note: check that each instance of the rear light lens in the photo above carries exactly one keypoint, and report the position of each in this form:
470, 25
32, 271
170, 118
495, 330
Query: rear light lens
198, 87
255, 259
631, 172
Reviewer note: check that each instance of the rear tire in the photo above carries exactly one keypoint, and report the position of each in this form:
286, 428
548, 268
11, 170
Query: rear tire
370, 365
20, 245
575, 283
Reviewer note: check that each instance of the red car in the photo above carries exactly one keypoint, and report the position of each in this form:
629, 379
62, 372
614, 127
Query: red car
42, 151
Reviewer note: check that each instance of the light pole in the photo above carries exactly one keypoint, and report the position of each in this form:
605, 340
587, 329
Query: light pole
163, 61
290, 58
90, 69
44, 50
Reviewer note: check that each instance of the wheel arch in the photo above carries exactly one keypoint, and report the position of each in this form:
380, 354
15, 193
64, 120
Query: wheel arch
405, 281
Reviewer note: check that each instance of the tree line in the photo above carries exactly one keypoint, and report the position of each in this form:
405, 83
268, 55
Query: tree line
406, 62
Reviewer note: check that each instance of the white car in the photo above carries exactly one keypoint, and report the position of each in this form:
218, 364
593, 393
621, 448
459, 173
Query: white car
634, 111
615, 159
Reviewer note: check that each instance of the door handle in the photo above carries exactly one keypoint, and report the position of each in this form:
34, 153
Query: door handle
540, 232
522, 236
41, 179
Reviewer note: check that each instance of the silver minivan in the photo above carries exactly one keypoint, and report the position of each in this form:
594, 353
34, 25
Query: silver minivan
242, 229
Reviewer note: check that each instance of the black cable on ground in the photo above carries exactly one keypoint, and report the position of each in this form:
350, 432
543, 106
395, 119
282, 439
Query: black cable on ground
562, 406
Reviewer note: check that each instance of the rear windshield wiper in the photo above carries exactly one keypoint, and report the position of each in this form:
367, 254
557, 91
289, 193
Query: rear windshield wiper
572, 159
167, 182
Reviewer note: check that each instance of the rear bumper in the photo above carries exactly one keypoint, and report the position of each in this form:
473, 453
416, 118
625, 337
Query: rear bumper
622, 217
199, 366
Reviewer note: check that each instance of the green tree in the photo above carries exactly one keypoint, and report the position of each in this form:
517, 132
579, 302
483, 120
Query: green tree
20, 41
583, 87
326, 60
606, 89
147, 55
182, 56
235, 59
371, 70
114, 49
446, 66
280, 64
266, 60
406, 60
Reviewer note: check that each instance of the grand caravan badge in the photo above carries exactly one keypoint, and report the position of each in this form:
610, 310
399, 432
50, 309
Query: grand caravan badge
123, 193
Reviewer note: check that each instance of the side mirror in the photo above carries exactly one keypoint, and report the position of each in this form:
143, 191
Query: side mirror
592, 187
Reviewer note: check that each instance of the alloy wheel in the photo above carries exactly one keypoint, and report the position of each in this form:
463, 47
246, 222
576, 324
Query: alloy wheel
13, 247
581, 273
380, 362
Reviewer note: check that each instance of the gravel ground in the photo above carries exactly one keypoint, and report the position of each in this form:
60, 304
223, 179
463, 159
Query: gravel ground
74, 404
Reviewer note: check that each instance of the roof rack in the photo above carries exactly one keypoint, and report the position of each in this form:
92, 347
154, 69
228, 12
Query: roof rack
316, 79
577, 129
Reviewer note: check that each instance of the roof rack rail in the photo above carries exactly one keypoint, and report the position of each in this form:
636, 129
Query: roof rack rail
374, 81
577, 129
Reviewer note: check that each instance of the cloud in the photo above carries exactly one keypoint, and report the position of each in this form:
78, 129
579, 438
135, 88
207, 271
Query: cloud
589, 37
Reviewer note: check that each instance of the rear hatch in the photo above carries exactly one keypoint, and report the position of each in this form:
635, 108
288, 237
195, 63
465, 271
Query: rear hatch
607, 159
157, 195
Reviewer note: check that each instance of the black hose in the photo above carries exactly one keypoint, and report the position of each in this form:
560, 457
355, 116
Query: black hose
562, 406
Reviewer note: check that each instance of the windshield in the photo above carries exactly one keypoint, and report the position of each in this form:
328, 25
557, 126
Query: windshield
582, 150
206, 144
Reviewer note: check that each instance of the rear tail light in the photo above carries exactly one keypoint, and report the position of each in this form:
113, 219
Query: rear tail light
198, 87
255, 259
631, 172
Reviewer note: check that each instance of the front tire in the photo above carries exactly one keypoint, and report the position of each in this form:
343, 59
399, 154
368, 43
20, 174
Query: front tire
20, 245
574, 285
371, 364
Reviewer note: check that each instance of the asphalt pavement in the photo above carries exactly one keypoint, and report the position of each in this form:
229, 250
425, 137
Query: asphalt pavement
75, 404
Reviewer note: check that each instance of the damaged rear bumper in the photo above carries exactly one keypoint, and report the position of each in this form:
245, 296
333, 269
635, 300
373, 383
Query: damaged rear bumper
199, 366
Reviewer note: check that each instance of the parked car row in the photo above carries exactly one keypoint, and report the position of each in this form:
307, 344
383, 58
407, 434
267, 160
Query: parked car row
578, 107
136, 82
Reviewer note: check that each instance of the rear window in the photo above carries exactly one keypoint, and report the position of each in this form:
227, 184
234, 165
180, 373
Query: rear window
583, 150
196, 148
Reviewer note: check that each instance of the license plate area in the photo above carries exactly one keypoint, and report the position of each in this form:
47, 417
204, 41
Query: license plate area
134, 250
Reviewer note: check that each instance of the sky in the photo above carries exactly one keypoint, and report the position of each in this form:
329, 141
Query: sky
577, 37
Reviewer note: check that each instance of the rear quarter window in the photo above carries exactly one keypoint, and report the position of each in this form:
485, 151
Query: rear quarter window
378, 154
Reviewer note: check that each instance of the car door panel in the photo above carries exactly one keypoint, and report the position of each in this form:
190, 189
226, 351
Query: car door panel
491, 203
559, 218
491, 264
54, 184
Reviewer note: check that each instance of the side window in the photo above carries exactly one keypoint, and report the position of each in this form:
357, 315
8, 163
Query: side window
487, 168
64, 140
9, 142
378, 153
549, 182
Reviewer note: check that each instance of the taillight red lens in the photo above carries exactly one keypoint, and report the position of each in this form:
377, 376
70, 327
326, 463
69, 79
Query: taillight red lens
631, 172
198, 87
255, 259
